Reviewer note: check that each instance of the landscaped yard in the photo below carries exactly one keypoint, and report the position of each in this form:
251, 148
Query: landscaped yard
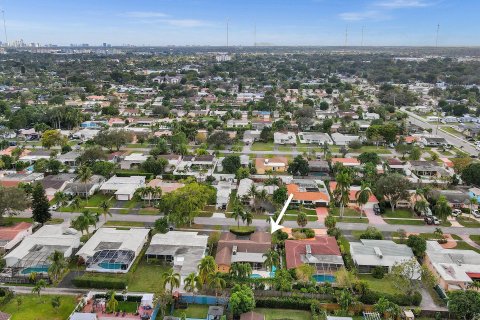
284, 314
399, 213
348, 212
9, 221
36, 307
93, 201
308, 212
462, 245
468, 222
146, 277
261, 146
384, 285
195, 311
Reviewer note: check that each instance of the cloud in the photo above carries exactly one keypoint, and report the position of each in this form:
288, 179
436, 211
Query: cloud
145, 14
363, 15
400, 4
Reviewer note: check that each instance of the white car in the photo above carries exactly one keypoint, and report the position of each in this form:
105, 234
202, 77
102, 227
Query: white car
456, 212
476, 213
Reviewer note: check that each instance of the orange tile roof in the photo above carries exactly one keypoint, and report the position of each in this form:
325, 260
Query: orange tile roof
346, 160
9, 233
260, 162
305, 196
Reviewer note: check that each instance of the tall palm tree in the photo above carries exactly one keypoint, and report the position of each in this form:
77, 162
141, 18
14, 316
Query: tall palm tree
442, 209
206, 267
112, 302
262, 196
171, 278
190, 282
75, 203
248, 218
252, 193
421, 206
39, 285
157, 191
60, 198
272, 259
342, 190
105, 206
84, 175
238, 213
57, 266
216, 282
363, 195
84, 221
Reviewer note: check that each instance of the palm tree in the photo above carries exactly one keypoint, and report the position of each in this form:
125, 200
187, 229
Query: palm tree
472, 201
252, 193
57, 266
190, 282
75, 203
149, 194
112, 302
84, 175
206, 267
363, 195
171, 278
421, 206
216, 282
84, 221
262, 196
302, 219
238, 213
60, 198
39, 285
272, 259
248, 218
105, 206
157, 192
342, 190
442, 209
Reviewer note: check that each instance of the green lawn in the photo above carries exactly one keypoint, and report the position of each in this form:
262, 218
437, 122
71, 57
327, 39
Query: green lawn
380, 150
462, 245
10, 221
195, 311
146, 277
384, 285
348, 212
288, 217
308, 212
260, 146
124, 223
418, 222
35, 307
93, 201
127, 306
475, 238
284, 314
399, 213
285, 148
468, 222
353, 220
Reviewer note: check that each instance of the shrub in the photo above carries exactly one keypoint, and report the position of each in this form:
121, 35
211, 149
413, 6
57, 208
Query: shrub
242, 231
378, 272
309, 233
297, 303
6, 295
371, 297
372, 233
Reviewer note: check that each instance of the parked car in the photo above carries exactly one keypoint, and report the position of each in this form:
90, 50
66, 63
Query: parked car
376, 209
456, 212
431, 220
476, 213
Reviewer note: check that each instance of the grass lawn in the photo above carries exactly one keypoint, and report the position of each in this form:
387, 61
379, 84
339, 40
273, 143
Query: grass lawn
127, 306
468, 222
288, 217
35, 307
418, 222
242, 229
195, 311
284, 314
352, 220
124, 223
380, 150
285, 148
475, 238
10, 221
399, 213
93, 201
462, 245
148, 211
146, 277
348, 212
261, 146
380, 285
308, 212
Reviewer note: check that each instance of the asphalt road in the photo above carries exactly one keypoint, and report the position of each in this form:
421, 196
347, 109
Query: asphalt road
458, 142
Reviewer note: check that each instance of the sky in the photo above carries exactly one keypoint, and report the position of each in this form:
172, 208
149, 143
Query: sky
277, 22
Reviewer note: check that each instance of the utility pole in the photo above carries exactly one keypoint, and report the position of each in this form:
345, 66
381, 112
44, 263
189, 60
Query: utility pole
436, 38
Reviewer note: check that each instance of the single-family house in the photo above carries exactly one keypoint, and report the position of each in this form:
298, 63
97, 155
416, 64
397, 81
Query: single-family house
347, 162
342, 139
456, 198
250, 136
317, 138
309, 193
275, 164
13, 235
123, 187
133, 160
83, 189
70, 158
55, 183
285, 138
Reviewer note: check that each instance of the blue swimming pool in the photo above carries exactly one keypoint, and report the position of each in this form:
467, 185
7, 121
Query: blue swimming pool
202, 299
34, 269
111, 266
324, 278
255, 276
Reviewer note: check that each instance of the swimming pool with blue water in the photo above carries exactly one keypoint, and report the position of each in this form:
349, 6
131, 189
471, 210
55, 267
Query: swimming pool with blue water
324, 278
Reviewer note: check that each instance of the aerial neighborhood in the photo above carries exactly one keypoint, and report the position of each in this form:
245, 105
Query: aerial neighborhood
145, 184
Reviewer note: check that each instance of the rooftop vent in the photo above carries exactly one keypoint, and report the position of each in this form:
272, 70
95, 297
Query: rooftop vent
378, 252
234, 250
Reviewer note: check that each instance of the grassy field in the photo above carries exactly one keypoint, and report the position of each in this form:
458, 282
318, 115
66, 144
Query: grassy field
35, 307
146, 277
260, 146
127, 306
384, 285
284, 314
195, 311
399, 213
468, 222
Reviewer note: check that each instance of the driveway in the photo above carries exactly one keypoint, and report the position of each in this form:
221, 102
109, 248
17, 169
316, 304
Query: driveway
372, 218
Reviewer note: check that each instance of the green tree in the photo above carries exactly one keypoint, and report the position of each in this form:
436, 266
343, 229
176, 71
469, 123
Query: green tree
418, 245
51, 138
302, 219
280, 196
464, 304
39, 286
442, 209
216, 282
272, 259
298, 167
393, 187
471, 174
171, 278
206, 267
342, 190
305, 272
84, 221
58, 265
415, 153
405, 276
161, 225
84, 174
330, 221
12, 200
369, 157
105, 206
387, 309
363, 195
242, 300
231, 164
112, 303
40, 205
155, 166
56, 302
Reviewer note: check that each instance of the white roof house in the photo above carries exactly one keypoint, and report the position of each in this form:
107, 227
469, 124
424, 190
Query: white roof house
133, 159
113, 250
284, 138
342, 139
368, 254
183, 250
314, 137
123, 187
455, 269
34, 250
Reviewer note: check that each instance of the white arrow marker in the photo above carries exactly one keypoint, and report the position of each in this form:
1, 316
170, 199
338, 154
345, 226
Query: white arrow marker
275, 225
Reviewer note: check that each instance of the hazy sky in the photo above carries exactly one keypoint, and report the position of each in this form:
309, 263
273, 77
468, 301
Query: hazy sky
278, 22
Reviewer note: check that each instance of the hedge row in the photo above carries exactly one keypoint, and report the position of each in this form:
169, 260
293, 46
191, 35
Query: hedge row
297, 303
371, 297
104, 283
147, 175
120, 297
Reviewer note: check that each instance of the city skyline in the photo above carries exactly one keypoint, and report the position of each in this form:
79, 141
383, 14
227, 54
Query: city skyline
198, 22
